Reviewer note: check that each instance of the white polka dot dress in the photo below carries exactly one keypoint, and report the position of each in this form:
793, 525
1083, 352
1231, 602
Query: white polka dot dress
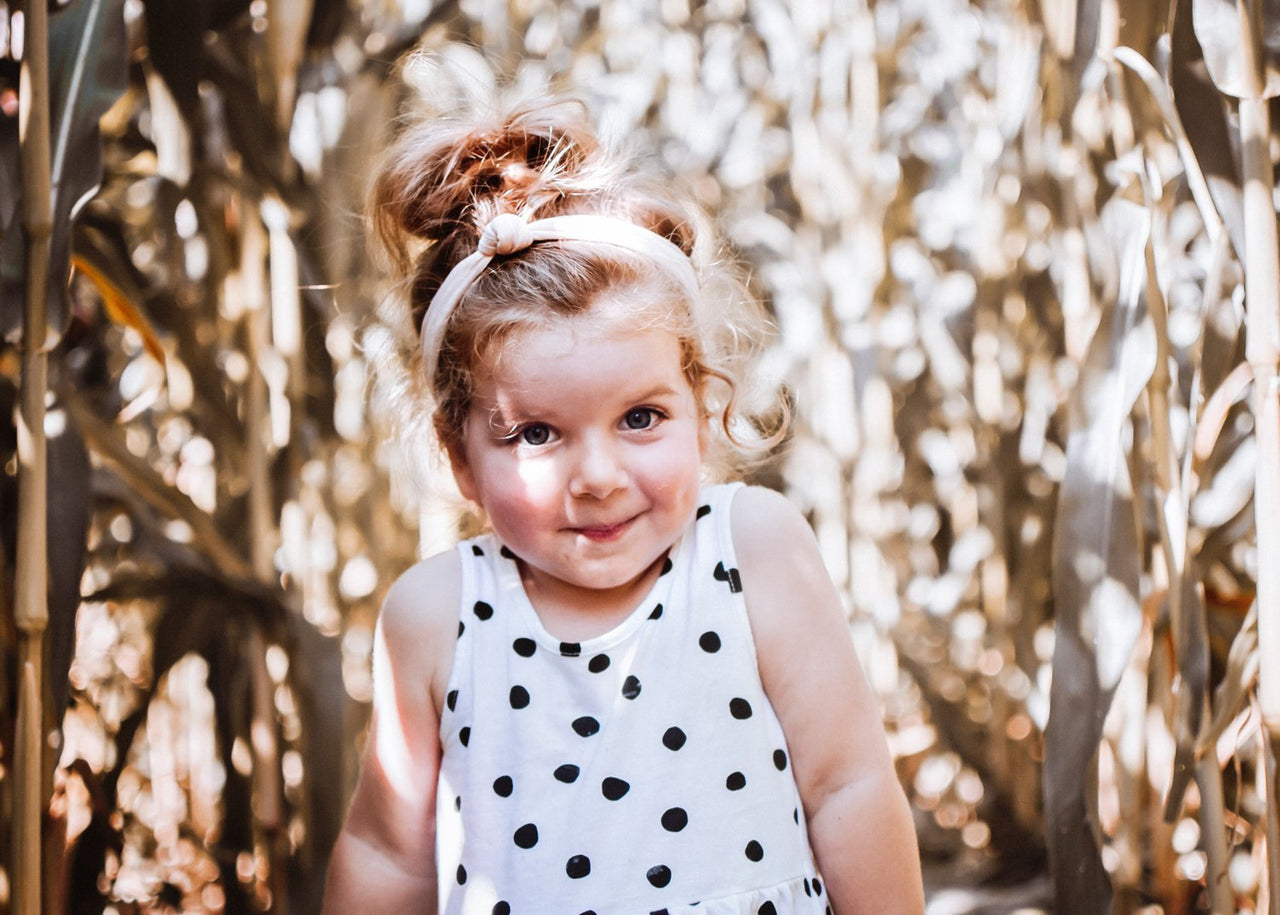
640, 771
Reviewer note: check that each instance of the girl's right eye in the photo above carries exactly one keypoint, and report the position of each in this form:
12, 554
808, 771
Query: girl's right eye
534, 434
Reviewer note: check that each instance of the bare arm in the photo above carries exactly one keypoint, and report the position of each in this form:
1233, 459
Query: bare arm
384, 859
859, 820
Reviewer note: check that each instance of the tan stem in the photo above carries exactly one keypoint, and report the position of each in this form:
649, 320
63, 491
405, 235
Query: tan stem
1262, 349
31, 596
1213, 829
257, 413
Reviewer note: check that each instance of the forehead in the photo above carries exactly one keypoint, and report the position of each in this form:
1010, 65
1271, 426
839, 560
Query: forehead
572, 359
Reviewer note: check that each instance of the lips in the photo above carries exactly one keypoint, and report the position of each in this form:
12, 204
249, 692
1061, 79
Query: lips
603, 533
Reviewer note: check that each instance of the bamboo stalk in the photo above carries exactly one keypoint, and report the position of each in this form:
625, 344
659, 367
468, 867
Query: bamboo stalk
31, 604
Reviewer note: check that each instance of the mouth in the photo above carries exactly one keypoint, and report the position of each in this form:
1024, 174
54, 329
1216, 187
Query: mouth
603, 533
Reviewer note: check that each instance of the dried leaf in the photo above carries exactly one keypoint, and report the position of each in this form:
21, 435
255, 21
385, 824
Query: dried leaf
1097, 560
1217, 26
1213, 415
87, 73
1203, 113
1237, 682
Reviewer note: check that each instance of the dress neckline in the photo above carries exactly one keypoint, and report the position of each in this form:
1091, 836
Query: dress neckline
649, 606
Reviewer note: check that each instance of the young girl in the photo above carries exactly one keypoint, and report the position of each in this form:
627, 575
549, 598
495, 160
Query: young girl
637, 692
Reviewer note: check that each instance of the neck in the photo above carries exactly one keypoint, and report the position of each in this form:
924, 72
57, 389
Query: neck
578, 614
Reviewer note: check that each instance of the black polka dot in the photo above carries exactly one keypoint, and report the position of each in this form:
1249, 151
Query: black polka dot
578, 867
570, 649
736, 781
482, 610
506, 553
457, 802
767, 909
817, 886
702, 512
525, 647
614, 788
526, 836
631, 688
673, 739
657, 613
476, 550
808, 890
675, 819
462, 627
779, 759
659, 875
451, 700
710, 642
502, 908
462, 874
586, 726
567, 773
795, 815
464, 736
503, 785
667, 566
740, 708
519, 697
754, 851
598, 664
729, 576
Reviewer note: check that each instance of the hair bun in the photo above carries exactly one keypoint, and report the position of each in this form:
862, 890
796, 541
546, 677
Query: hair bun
444, 180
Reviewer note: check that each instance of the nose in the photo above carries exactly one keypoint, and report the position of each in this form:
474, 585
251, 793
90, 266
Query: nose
598, 469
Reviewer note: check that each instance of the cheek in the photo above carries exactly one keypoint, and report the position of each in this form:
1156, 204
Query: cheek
538, 483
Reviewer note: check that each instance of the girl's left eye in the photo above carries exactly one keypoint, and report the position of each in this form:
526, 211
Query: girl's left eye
640, 418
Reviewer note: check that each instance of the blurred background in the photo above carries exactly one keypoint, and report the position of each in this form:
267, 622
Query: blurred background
1010, 248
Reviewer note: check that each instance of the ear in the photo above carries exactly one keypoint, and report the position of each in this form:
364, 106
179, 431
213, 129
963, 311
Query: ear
704, 436
462, 475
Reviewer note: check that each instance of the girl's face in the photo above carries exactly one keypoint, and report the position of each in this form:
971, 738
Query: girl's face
584, 445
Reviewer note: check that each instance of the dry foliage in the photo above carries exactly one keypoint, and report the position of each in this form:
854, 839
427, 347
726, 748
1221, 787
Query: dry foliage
1011, 248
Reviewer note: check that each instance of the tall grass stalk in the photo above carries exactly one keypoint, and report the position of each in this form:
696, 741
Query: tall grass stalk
31, 610
1262, 350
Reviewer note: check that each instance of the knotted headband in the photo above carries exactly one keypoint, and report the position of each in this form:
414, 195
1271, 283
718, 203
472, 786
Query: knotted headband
511, 234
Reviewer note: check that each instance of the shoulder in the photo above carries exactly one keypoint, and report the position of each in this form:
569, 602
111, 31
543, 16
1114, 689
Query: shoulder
423, 601
762, 516
417, 627
770, 537
788, 592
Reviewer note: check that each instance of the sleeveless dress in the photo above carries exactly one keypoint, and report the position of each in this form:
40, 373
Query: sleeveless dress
640, 771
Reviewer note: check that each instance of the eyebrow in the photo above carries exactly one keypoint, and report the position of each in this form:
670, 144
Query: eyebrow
660, 390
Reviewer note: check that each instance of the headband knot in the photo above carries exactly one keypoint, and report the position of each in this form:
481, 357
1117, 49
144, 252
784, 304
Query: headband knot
507, 233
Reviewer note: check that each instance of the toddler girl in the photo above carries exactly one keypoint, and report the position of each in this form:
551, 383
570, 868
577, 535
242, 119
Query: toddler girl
637, 692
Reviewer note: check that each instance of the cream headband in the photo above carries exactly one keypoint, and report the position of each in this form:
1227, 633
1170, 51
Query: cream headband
510, 234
